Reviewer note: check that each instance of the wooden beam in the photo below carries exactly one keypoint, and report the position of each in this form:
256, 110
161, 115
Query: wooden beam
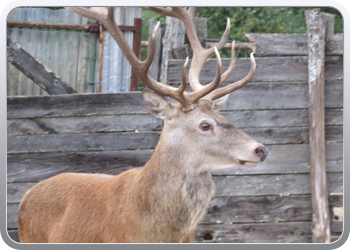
174, 37
37, 72
316, 50
295, 44
91, 28
154, 70
269, 69
136, 47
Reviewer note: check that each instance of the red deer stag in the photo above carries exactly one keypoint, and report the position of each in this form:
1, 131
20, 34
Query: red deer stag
164, 200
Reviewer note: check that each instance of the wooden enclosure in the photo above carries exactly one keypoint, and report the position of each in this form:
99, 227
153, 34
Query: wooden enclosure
110, 133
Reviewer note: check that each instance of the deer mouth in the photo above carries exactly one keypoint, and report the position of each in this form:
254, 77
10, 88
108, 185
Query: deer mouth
248, 163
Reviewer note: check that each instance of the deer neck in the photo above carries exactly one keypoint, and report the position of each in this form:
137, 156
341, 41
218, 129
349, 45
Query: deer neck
173, 191
174, 165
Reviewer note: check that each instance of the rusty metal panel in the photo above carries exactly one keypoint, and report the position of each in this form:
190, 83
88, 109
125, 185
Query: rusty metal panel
70, 54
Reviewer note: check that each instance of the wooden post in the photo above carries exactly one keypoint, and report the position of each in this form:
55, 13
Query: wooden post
136, 46
316, 50
174, 46
328, 20
174, 37
154, 69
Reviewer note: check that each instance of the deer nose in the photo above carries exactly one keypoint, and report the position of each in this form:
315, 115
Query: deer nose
261, 152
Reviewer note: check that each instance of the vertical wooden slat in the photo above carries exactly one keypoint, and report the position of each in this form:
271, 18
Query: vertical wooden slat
328, 20
316, 50
101, 44
154, 69
136, 46
174, 37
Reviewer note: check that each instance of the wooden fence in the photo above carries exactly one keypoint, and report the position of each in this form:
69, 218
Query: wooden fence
110, 133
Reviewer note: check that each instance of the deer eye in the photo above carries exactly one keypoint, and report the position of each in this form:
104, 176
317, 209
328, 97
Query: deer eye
205, 126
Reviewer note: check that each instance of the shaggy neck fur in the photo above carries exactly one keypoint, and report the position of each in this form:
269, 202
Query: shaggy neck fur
176, 197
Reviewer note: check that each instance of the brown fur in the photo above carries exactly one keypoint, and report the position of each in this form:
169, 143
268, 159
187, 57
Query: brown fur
160, 202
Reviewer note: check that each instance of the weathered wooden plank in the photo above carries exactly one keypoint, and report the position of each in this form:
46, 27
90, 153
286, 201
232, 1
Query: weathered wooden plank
36, 167
293, 44
253, 185
316, 33
82, 142
16, 191
253, 96
291, 134
231, 210
13, 234
279, 95
147, 122
147, 140
328, 20
12, 212
204, 234
335, 44
174, 36
36, 71
86, 124
278, 118
284, 232
76, 105
271, 69
283, 185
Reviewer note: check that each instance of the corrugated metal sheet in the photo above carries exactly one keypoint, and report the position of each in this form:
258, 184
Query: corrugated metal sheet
71, 55
118, 80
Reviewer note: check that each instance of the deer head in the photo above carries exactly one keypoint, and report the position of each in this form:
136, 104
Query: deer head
194, 121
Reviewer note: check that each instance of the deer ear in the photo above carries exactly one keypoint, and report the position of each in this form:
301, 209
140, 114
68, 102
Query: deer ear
220, 102
158, 105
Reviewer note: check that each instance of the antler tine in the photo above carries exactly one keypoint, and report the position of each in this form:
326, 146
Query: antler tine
234, 86
183, 77
200, 55
224, 37
166, 90
191, 11
151, 51
231, 67
195, 96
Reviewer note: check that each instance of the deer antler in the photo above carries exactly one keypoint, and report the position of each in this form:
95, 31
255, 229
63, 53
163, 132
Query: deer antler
200, 55
233, 86
105, 16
